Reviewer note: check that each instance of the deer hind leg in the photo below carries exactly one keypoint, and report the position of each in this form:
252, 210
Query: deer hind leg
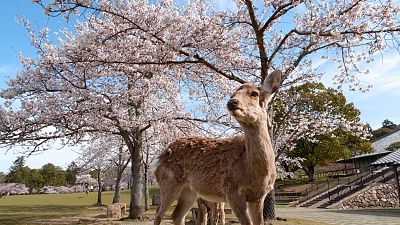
186, 200
214, 213
168, 193
202, 213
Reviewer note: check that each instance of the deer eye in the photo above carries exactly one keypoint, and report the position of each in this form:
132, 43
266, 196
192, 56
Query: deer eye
254, 94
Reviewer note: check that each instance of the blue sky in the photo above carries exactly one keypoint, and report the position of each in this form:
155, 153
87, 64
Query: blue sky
14, 40
381, 103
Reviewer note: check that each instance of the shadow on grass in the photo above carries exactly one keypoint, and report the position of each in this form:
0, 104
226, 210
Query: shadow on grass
24, 214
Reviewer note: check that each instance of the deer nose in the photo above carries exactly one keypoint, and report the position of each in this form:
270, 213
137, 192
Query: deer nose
232, 103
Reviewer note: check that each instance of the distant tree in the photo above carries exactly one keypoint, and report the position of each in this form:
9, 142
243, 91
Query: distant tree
387, 128
53, 175
388, 124
18, 164
324, 151
328, 126
393, 147
71, 173
18, 171
85, 180
2, 177
96, 158
34, 181
380, 133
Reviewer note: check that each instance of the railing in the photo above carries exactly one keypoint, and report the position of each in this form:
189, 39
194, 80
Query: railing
383, 175
332, 173
339, 185
335, 179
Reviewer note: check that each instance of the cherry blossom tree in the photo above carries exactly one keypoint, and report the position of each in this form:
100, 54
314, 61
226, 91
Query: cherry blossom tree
129, 65
327, 127
96, 156
85, 180
66, 95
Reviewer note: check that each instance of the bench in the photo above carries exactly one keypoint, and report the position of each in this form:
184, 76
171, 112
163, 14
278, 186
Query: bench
115, 210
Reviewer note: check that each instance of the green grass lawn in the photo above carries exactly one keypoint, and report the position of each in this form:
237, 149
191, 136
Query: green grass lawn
24, 209
18, 209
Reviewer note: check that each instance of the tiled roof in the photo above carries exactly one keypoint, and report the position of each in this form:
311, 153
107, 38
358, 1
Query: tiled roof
392, 158
383, 142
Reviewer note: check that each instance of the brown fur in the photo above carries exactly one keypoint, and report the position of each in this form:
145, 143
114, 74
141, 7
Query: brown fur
234, 170
210, 211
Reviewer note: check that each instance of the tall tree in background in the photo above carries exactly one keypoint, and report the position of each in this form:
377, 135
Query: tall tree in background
35, 180
388, 124
328, 127
18, 171
127, 64
53, 175
71, 172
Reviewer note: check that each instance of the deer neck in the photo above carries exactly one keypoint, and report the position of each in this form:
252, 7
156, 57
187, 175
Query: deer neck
259, 152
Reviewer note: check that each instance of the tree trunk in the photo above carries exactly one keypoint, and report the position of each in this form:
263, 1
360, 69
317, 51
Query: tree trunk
269, 201
269, 206
100, 188
117, 189
135, 207
146, 188
309, 170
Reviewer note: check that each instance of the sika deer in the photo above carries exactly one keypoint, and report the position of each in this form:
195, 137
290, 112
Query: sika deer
234, 170
5, 194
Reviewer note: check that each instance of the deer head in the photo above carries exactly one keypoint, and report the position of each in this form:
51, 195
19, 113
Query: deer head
248, 105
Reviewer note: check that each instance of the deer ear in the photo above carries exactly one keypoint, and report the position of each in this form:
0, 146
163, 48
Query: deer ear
272, 82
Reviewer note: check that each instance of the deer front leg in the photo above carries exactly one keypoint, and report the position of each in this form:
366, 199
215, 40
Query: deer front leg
239, 207
256, 211
221, 210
